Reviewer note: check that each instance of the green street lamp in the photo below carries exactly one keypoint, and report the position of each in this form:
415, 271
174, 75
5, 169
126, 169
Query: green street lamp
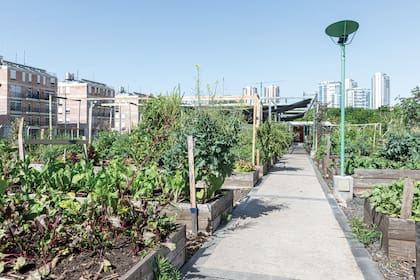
342, 30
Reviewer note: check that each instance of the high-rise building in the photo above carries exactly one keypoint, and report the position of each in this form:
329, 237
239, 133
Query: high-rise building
381, 90
329, 93
349, 84
271, 93
358, 98
73, 105
25, 92
249, 92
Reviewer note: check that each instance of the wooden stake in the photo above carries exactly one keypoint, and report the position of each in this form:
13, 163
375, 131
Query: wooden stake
408, 196
194, 210
254, 129
20, 140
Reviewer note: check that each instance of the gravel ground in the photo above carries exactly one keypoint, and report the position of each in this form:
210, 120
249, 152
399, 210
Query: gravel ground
391, 269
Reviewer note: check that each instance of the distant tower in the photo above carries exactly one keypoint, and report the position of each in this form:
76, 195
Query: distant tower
358, 98
348, 85
272, 92
249, 91
329, 93
381, 90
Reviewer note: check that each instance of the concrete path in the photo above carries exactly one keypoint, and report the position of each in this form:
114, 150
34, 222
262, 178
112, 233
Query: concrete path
288, 228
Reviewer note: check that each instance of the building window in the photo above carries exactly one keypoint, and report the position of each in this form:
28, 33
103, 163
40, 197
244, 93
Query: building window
30, 77
16, 91
12, 74
38, 79
44, 80
52, 80
23, 77
67, 89
16, 106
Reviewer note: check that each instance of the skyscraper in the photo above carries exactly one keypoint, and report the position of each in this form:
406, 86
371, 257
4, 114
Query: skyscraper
348, 85
249, 91
329, 93
358, 98
272, 93
381, 91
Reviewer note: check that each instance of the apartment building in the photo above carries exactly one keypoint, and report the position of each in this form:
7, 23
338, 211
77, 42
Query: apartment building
126, 108
74, 100
271, 94
381, 90
358, 98
329, 93
25, 92
249, 92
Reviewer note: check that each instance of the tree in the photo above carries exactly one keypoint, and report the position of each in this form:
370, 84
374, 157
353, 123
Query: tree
410, 108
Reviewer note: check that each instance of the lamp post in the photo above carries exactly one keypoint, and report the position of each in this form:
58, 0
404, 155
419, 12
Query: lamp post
342, 30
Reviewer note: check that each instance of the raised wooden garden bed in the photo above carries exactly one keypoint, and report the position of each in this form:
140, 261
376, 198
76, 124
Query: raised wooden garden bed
418, 250
241, 183
262, 170
398, 235
365, 179
143, 270
209, 214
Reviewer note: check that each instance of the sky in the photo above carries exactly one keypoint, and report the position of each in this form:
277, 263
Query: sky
152, 46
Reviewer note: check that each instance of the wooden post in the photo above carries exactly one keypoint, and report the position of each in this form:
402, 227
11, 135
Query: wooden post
194, 210
408, 196
85, 148
258, 121
418, 250
20, 140
254, 129
327, 152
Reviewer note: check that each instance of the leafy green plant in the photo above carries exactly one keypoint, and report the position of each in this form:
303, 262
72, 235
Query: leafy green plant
388, 199
364, 233
274, 139
164, 270
244, 166
402, 146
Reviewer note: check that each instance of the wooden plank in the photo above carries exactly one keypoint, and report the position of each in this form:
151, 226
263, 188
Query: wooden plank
402, 249
395, 174
407, 200
369, 183
401, 229
57, 142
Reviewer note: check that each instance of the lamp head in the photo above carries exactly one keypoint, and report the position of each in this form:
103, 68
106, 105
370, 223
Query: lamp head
342, 30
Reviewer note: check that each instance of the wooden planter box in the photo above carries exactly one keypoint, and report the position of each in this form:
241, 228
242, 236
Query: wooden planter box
418, 250
365, 179
143, 270
262, 170
209, 214
241, 180
398, 235
240, 183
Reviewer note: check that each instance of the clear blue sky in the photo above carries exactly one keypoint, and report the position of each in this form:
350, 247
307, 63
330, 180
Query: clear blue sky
151, 46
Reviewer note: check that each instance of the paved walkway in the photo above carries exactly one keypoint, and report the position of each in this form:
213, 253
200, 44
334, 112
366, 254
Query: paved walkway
288, 228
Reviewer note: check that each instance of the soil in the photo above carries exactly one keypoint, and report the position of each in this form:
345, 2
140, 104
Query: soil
391, 269
88, 265
195, 243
